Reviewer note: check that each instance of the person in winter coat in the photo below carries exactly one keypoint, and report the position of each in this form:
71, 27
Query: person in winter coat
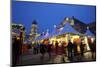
43, 50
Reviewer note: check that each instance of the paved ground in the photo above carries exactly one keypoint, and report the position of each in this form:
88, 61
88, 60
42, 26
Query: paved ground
30, 59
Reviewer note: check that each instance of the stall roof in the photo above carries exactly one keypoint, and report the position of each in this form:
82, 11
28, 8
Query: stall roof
39, 38
68, 29
89, 33
43, 37
54, 33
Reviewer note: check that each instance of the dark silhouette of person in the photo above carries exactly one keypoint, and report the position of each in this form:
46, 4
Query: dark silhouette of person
49, 50
36, 49
70, 49
63, 51
82, 48
16, 50
75, 48
63, 48
56, 47
42, 50
92, 46
94, 50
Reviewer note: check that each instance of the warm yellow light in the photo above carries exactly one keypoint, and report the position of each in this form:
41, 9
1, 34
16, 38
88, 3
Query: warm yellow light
74, 37
33, 42
86, 42
18, 38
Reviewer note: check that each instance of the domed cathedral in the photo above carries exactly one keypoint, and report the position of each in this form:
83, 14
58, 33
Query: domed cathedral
33, 31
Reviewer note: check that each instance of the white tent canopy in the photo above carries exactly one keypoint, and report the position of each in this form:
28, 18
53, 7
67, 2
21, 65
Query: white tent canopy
89, 33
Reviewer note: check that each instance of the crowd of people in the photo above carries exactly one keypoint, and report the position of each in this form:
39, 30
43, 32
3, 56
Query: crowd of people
62, 48
69, 49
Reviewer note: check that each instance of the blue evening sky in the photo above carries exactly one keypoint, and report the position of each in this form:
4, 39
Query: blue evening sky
47, 14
